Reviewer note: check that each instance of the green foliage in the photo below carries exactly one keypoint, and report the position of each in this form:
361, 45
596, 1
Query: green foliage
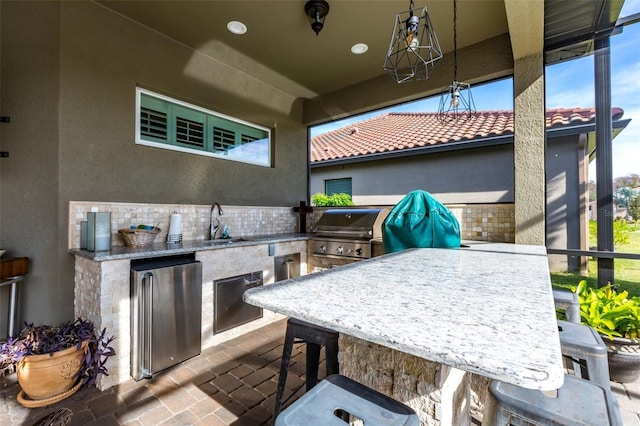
334, 200
634, 208
610, 313
319, 199
621, 231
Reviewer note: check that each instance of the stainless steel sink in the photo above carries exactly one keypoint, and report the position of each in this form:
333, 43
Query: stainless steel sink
222, 241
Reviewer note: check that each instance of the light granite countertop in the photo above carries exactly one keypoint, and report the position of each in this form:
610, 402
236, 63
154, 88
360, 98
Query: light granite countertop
487, 308
165, 249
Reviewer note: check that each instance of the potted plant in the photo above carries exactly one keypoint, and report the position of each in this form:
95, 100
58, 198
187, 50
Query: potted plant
616, 317
53, 362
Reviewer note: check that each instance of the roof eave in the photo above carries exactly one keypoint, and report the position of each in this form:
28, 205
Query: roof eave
431, 149
559, 131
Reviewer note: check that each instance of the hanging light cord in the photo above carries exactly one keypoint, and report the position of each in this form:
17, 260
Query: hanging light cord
455, 42
411, 8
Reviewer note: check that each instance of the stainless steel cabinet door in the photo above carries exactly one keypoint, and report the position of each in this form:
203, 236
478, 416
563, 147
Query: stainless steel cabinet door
176, 314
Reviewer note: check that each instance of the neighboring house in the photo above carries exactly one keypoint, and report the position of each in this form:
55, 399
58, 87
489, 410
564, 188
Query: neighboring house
619, 212
381, 159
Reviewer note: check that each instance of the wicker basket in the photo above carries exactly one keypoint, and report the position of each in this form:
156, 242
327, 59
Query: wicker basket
138, 237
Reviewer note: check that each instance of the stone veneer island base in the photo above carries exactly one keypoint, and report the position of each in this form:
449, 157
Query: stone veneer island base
102, 287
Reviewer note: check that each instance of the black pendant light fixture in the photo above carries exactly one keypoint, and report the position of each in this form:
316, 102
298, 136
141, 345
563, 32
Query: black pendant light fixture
456, 102
413, 47
316, 10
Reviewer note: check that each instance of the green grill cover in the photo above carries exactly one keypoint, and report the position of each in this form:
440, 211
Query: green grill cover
419, 220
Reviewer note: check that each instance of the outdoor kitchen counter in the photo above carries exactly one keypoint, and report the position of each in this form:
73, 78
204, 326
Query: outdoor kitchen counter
188, 246
486, 309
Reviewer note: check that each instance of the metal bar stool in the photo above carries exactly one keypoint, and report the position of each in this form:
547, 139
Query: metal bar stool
315, 337
569, 302
12, 329
584, 352
577, 402
337, 398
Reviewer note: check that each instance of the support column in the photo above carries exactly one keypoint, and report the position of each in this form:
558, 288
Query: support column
529, 150
604, 158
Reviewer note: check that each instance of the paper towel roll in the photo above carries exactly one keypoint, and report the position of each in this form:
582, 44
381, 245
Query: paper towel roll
175, 226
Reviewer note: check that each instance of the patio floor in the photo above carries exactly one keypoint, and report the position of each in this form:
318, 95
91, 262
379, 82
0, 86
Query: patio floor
231, 384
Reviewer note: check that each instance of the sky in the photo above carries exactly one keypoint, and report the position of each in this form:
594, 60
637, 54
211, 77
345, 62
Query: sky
568, 84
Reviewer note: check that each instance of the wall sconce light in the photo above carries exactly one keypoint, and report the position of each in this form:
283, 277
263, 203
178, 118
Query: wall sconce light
316, 10
413, 47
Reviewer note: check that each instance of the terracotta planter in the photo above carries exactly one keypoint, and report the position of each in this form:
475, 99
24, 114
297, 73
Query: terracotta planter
46, 376
624, 359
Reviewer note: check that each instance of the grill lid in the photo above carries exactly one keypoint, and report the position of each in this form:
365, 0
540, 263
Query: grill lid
351, 223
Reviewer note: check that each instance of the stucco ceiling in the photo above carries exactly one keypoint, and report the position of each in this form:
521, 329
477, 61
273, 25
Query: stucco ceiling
280, 48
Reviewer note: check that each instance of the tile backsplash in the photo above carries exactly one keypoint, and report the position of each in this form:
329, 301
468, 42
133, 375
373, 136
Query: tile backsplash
478, 222
240, 220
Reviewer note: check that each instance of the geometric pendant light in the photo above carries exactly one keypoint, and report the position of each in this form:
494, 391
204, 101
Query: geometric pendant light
413, 47
456, 102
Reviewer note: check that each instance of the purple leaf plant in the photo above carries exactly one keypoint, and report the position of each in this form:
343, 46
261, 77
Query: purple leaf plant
43, 339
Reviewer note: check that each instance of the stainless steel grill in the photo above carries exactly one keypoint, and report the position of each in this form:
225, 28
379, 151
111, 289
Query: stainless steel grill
348, 233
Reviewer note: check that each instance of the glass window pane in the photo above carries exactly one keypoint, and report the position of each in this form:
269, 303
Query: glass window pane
572, 216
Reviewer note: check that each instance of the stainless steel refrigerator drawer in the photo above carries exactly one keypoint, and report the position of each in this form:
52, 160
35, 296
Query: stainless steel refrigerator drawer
166, 314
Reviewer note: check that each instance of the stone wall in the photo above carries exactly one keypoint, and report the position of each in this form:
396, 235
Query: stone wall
440, 395
102, 296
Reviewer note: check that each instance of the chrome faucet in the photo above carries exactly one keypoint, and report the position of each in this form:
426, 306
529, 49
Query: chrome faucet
214, 225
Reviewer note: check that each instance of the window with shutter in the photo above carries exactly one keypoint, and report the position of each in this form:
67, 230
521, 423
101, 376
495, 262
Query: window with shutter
153, 118
223, 139
163, 122
247, 139
337, 186
189, 127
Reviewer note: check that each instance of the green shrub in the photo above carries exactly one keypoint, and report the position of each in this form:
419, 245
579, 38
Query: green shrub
621, 231
610, 313
634, 208
334, 200
319, 199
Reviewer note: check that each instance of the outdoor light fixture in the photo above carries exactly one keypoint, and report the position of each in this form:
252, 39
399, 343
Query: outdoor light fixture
413, 47
316, 10
456, 102
236, 27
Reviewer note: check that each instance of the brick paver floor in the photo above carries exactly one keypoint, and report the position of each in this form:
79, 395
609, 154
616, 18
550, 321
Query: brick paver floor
231, 384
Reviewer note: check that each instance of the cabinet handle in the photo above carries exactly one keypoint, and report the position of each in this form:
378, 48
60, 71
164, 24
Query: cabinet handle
252, 282
147, 318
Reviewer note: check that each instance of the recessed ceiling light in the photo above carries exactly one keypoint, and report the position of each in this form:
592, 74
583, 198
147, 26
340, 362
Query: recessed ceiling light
237, 27
359, 48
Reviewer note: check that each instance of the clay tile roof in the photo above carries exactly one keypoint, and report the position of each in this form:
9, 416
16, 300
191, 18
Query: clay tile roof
397, 131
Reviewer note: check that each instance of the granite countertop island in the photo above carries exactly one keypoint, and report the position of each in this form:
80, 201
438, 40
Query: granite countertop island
486, 309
